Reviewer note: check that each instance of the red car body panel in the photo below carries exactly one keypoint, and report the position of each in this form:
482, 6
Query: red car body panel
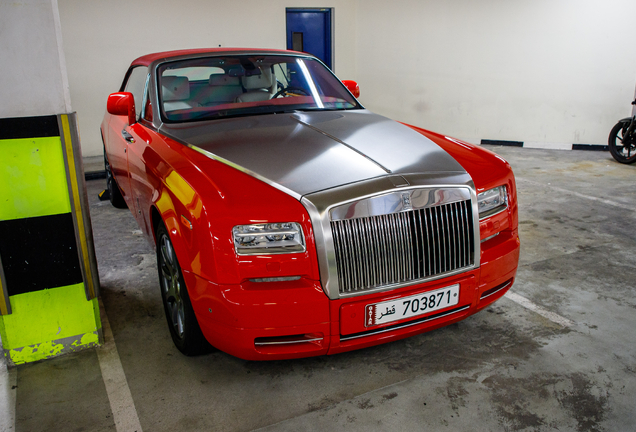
200, 200
148, 59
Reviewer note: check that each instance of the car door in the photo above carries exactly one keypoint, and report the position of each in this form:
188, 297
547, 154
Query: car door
143, 162
120, 137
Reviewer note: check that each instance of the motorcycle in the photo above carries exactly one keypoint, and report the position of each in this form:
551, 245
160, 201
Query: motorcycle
622, 139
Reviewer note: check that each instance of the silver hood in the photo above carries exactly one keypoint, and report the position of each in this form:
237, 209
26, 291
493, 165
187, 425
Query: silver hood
307, 152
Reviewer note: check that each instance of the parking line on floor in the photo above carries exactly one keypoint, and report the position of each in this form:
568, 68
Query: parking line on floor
119, 396
522, 301
577, 194
8, 381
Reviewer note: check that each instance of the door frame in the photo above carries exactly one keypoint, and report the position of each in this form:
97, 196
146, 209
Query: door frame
332, 13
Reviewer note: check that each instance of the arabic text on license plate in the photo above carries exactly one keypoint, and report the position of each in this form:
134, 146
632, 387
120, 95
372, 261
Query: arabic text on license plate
411, 306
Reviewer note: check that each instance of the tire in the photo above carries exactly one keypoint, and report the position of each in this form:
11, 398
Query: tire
622, 148
182, 322
114, 193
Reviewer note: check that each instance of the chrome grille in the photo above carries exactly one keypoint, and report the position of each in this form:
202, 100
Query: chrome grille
377, 251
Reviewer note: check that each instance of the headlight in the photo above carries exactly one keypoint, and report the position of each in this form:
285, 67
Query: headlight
270, 238
492, 201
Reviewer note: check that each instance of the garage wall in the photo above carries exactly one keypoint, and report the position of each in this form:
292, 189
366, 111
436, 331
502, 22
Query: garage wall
552, 71
555, 72
33, 70
101, 38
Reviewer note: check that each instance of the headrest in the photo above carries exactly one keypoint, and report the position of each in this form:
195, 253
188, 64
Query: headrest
175, 88
223, 80
262, 81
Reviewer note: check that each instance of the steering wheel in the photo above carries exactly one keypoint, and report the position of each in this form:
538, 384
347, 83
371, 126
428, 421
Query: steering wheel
290, 89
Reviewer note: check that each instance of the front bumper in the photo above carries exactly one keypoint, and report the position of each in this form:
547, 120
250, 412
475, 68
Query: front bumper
294, 319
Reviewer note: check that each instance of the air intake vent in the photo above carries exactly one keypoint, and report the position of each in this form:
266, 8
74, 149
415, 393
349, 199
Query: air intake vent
377, 251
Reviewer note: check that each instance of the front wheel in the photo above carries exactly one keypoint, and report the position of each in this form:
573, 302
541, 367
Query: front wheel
114, 194
622, 144
184, 328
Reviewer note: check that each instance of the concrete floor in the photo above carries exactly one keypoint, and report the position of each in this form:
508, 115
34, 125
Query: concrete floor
565, 360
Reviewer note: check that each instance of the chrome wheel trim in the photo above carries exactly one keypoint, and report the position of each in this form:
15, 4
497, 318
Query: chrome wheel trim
171, 286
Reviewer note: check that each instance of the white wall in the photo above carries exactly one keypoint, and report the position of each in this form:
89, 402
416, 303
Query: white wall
550, 71
553, 71
101, 38
34, 79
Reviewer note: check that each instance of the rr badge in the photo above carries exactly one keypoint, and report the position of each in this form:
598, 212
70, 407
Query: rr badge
406, 201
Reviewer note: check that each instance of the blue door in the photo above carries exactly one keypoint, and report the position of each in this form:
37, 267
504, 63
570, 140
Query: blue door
309, 30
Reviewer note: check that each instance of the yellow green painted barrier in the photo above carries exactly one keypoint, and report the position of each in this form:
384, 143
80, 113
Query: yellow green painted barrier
48, 273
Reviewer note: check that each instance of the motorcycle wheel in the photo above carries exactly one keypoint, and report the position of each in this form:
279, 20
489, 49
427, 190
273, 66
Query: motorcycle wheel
622, 148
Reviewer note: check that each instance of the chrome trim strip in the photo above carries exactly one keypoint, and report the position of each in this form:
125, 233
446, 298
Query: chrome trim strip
275, 279
404, 325
504, 286
491, 237
288, 342
268, 251
239, 168
395, 202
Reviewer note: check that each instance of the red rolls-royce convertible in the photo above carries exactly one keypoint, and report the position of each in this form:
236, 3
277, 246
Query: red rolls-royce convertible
288, 220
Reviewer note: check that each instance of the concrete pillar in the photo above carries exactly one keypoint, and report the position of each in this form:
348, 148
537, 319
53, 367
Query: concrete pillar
48, 273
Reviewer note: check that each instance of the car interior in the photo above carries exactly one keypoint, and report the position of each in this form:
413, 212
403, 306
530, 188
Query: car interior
179, 92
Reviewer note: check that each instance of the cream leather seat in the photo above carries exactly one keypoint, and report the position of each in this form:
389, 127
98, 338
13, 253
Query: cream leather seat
259, 87
223, 89
175, 93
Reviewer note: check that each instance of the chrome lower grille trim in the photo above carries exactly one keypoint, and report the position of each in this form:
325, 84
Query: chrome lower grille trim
404, 325
495, 290
285, 341
390, 249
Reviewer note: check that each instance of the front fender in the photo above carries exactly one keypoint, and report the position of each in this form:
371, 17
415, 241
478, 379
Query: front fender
200, 200
181, 210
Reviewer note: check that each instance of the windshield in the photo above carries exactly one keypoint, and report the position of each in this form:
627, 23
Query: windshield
229, 86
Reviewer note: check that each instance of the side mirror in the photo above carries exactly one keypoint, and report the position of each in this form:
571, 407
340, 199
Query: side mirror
353, 87
122, 104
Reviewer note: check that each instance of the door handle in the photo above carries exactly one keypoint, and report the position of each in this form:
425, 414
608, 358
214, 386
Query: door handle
128, 137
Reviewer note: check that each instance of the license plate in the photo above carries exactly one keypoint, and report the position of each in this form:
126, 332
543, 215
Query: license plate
411, 306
